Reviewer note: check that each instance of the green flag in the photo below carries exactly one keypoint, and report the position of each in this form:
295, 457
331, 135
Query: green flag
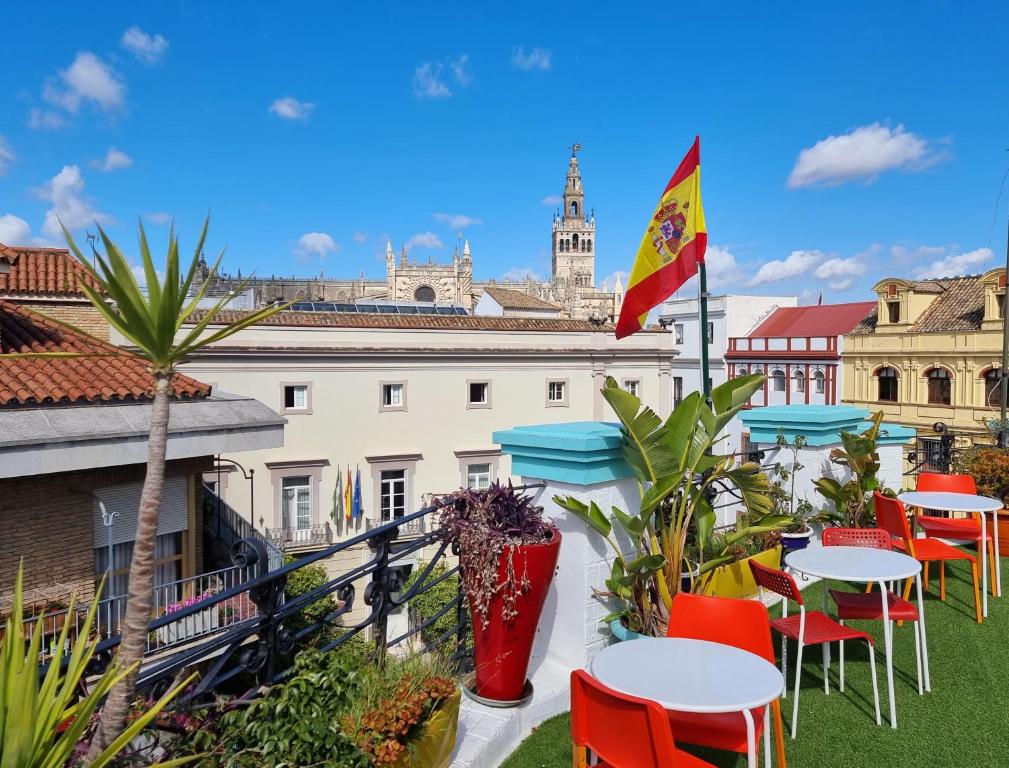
337, 512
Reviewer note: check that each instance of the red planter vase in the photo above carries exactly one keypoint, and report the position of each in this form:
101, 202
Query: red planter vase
501, 650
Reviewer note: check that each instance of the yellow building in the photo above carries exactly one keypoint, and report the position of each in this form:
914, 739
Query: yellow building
930, 352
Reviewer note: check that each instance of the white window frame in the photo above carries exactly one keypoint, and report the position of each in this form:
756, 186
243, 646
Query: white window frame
379, 464
491, 456
306, 387
779, 382
633, 386
677, 390
486, 402
387, 487
291, 494
819, 382
485, 470
382, 388
565, 390
678, 332
800, 382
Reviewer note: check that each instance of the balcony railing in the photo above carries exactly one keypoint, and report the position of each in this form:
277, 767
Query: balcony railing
770, 346
416, 527
169, 600
286, 539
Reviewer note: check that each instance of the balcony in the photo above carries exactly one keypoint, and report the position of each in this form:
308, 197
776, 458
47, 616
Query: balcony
291, 539
746, 347
409, 529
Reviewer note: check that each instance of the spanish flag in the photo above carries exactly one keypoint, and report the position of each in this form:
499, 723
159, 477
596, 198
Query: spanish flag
672, 247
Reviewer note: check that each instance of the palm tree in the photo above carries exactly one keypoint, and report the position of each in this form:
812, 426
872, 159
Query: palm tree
152, 322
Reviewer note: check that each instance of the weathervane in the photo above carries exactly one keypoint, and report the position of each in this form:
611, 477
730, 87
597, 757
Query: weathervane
575, 148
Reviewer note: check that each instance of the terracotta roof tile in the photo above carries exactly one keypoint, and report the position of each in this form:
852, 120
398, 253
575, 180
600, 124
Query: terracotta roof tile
50, 272
958, 306
97, 371
417, 322
511, 299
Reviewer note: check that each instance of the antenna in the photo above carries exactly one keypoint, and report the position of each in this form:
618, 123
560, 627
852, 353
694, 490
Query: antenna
92, 239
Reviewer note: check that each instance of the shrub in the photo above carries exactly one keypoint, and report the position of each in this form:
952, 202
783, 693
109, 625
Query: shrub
305, 580
988, 466
428, 603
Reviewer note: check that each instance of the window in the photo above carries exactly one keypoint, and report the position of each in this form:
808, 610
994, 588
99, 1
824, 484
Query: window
478, 476
574, 208
677, 390
887, 384
893, 311
818, 382
168, 557
296, 503
711, 333
574, 242
296, 397
800, 381
557, 392
678, 330
940, 390
778, 380
633, 386
392, 493
424, 293
1000, 303
478, 394
993, 387
741, 371
393, 396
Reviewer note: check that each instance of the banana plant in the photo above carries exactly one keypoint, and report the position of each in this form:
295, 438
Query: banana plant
858, 457
676, 469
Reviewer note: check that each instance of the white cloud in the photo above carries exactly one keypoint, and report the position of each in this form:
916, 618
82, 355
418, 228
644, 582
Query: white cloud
607, 283
841, 285
289, 108
315, 244
147, 49
553, 200
862, 153
956, 264
905, 256
797, 263
457, 220
14, 230
430, 79
521, 274
833, 269
114, 160
7, 155
536, 58
89, 79
722, 268
160, 218
44, 119
65, 191
424, 240
360, 237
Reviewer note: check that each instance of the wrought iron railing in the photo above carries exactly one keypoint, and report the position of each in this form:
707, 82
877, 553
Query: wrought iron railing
224, 528
285, 539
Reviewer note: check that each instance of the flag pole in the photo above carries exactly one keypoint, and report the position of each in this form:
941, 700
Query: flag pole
702, 301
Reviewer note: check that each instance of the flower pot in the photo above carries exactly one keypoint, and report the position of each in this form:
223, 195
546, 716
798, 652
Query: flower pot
432, 746
501, 650
736, 579
687, 579
621, 633
795, 541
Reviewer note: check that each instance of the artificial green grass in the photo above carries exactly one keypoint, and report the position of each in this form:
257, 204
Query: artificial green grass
962, 723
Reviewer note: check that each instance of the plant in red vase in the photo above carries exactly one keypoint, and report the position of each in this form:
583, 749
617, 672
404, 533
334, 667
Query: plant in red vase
508, 553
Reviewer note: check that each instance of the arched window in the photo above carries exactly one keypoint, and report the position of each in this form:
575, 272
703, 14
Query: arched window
778, 380
574, 207
588, 244
940, 390
560, 245
993, 387
819, 381
424, 293
800, 381
741, 371
887, 387
574, 242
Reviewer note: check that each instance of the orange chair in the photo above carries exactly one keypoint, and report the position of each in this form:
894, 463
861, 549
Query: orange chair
891, 517
743, 624
955, 529
622, 731
864, 606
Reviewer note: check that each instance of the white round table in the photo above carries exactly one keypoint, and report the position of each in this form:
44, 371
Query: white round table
863, 565
965, 502
694, 676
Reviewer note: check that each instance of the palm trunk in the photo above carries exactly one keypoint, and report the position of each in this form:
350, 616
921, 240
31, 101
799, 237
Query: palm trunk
140, 599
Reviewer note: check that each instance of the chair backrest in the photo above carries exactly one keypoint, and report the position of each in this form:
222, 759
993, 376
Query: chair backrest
933, 481
740, 623
891, 517
775, 580
625, 731
875, 538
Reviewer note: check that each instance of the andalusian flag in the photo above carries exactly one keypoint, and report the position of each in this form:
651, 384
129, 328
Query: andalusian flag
672, 247
337, 512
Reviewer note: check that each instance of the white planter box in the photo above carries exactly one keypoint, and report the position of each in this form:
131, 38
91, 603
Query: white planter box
189, 627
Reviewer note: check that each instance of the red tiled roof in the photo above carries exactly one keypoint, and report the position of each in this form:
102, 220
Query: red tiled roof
820, 320
50, 272
511, 299
98, 371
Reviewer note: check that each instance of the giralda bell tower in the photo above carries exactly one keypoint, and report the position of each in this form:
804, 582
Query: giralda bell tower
574, 233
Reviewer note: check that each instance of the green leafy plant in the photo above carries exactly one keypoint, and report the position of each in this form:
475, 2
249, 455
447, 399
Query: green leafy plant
800, 513
676, 472
988, 466
42, 722
859, 459
432, 601
304, 580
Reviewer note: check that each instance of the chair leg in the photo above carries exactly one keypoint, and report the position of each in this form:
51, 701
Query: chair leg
875, 684
826, 668
579, 757
784, 665
942, 580
925, 576
991, 567
779, 732
917, 656
977, 591
798, 677
840, 644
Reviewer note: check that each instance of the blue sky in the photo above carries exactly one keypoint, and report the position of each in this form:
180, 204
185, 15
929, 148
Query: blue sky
838, 146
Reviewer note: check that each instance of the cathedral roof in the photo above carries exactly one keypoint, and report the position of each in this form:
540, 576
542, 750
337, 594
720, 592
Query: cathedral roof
511, 299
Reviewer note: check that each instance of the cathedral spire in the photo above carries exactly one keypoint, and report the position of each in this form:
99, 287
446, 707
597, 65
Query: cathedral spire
388, 252
465, 251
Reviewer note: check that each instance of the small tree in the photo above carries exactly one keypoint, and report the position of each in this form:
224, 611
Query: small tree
152, 321
858, 456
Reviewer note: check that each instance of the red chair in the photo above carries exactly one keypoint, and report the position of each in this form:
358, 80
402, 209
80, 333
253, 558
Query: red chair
891, 517
808, 628
954, 529
865, 606
622, 731
743, 624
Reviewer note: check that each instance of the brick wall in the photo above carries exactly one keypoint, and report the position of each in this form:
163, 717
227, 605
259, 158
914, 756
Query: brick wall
81, 314
47, 521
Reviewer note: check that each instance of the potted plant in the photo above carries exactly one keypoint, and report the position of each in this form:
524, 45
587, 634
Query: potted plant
508, 553
678, 472
858, 461
725, 570
989, 466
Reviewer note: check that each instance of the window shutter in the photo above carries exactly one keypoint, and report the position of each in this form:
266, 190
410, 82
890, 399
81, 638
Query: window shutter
125, 499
